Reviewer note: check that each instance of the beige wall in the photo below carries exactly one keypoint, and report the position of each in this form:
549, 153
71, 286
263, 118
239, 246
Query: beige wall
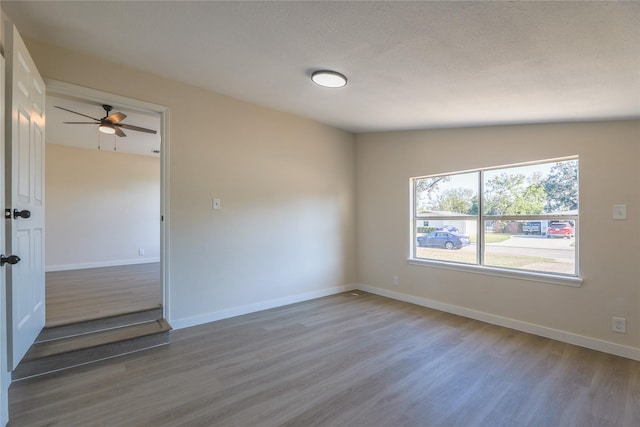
102, 207
287, 185
609, 250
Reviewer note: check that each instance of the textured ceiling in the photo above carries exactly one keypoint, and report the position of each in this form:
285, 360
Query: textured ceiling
410, 64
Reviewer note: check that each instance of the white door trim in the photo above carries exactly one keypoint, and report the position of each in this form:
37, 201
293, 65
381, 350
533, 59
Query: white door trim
68, 89
4, 369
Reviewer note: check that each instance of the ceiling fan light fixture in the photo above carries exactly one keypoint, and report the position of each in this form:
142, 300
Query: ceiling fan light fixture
328, 78
107, 128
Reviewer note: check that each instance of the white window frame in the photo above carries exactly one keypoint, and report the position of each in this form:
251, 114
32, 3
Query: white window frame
530, 275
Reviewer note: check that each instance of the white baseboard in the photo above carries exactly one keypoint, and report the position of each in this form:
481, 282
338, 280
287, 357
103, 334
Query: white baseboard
98, 264
252, 308
543, 331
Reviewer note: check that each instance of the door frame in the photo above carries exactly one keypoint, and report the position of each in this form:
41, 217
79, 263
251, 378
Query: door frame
4, 369
68, 89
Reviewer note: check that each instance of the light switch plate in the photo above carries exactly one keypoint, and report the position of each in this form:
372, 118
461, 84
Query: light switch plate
619, 211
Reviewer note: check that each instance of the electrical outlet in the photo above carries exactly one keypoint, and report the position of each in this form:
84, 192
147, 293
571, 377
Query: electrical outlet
620, 212
395, 280
619, 324
141, 252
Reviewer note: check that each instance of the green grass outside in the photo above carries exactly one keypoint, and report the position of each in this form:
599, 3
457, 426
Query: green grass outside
513, 261
497, 260
491, 237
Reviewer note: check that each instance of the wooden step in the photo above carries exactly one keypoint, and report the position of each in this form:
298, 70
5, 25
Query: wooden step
94, 325
58, 354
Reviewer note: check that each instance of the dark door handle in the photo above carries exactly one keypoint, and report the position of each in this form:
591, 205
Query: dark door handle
22, 214
11, 259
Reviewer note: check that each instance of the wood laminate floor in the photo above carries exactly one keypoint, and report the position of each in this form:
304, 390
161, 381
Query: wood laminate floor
352, 359
78, 295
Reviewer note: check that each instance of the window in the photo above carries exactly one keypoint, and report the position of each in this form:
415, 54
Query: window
518, 218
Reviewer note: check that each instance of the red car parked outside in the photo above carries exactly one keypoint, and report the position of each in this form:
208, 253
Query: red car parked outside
560, 229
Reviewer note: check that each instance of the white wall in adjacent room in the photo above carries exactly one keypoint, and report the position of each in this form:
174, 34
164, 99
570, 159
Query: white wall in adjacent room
102, 207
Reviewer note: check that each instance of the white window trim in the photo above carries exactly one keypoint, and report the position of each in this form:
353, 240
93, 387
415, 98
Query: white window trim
542, 277
499, 272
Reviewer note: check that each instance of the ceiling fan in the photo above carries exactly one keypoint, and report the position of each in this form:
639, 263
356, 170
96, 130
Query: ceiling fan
110, 123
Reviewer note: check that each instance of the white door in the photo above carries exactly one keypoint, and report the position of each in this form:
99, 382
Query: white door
4, 380
24, 199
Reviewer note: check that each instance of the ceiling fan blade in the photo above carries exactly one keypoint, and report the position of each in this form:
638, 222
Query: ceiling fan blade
81, 123
116, 117
132, 127
75, 112
119, 131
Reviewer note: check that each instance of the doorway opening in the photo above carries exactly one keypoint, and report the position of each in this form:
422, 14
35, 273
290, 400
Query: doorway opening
105, 199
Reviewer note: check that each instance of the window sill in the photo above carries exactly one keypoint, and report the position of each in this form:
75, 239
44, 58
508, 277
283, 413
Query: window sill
490, 271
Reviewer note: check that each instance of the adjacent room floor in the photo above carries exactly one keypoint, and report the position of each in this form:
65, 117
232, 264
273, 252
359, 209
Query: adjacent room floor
352, 359
78, 295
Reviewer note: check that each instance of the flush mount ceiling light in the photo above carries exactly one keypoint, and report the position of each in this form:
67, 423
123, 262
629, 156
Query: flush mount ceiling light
328, 78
